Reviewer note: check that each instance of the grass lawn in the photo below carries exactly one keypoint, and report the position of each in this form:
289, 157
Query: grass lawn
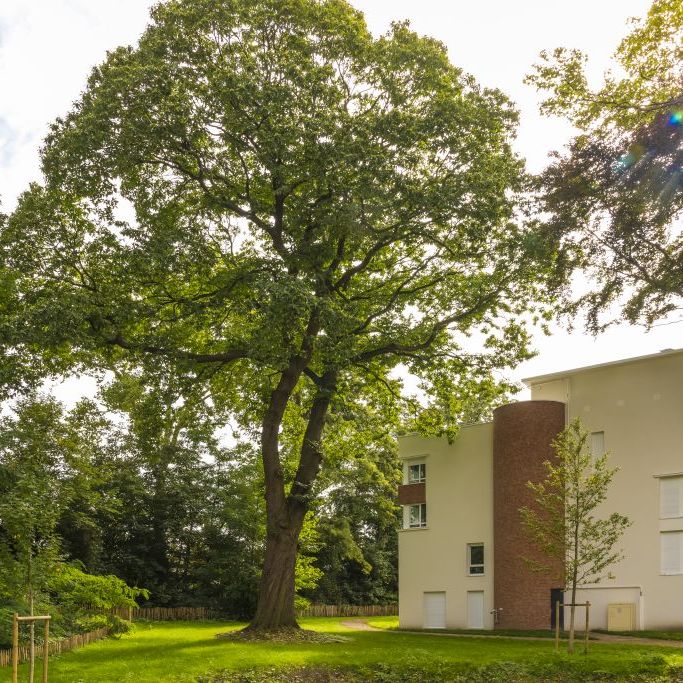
184, 651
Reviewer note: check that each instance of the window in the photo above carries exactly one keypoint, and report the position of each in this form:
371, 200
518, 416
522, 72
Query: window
417, 516
597, 444
672, 552
417, 473
475, 559
671, 497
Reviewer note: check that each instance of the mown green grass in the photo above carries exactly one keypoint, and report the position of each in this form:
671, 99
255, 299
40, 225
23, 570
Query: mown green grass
183, 651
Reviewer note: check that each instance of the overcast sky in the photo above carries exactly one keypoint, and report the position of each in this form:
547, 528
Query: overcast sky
47, 48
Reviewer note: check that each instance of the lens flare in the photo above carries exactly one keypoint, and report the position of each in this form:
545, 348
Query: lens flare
676, 117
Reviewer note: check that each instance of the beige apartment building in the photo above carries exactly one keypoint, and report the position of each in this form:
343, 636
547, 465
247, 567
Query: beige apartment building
461, 546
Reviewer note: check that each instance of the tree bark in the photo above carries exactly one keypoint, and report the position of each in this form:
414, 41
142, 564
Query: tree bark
32, 627
286, 514
574, 579
275, 608
572, 611
158, 543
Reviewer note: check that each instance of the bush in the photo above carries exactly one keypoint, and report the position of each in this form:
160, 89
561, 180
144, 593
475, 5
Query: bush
6, 612
82, 601
77, 602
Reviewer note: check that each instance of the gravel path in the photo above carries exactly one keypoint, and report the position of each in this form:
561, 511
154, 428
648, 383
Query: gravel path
634, 640
362, 625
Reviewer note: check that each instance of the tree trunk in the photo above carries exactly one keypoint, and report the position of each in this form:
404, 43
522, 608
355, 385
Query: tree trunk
275, 608
572, 612
570, 643
31, 628
286, 513
576, 536
159, 509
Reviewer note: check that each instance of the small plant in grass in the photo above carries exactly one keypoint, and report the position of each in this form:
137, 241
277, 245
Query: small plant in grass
562, 523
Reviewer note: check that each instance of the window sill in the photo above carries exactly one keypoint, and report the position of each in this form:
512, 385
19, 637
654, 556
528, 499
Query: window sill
415, 528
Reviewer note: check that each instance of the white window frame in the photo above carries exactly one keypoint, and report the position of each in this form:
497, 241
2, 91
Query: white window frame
422, 473
422, 515
471, 566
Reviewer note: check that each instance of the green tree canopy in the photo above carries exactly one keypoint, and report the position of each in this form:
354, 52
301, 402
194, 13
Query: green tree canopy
614, 198
288, 210
53, 465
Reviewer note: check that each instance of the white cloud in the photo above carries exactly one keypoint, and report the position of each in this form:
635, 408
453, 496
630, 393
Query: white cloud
47, 49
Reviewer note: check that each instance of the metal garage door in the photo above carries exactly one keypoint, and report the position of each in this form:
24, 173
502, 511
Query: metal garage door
475, 609
434, 610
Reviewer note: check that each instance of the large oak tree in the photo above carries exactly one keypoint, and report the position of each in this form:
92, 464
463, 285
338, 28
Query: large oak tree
287, 209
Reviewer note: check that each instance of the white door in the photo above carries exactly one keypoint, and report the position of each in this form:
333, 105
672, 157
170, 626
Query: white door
475, 609
434, 610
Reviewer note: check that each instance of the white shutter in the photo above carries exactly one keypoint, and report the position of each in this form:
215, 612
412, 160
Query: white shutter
434, 610
475, 609
671, 497
672, 552
597, 444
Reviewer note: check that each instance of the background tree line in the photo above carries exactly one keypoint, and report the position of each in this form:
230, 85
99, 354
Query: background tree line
139, 484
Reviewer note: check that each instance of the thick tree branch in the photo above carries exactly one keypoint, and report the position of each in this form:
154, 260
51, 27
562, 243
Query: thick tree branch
311, 450
396, 349
277, 512
219, 357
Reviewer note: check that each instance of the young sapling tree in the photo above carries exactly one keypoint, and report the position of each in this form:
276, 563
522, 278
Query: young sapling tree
563, 522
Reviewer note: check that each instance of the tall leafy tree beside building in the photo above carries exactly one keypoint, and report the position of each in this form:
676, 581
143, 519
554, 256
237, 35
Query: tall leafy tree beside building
287, 209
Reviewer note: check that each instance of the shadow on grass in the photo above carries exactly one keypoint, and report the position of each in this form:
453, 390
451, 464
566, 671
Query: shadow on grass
184, 651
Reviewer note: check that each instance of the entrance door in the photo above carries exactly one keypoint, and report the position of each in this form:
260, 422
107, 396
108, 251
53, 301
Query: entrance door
475, 609
556, 595
434, 610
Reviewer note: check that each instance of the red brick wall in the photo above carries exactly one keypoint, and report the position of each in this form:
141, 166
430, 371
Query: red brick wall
411, 494
522, 436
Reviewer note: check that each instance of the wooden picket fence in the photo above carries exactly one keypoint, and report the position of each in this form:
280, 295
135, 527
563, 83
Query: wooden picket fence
56, 647
349, 611
204, 613
166, 613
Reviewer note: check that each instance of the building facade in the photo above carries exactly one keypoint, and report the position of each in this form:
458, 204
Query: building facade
462, 545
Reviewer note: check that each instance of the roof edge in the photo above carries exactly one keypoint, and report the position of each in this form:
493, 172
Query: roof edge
537, 379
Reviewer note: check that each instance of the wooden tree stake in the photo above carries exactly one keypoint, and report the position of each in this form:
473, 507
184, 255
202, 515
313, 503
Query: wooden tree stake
46, 648
15, 647
585, 642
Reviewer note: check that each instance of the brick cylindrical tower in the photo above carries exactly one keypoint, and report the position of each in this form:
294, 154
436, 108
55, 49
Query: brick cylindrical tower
522, 437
